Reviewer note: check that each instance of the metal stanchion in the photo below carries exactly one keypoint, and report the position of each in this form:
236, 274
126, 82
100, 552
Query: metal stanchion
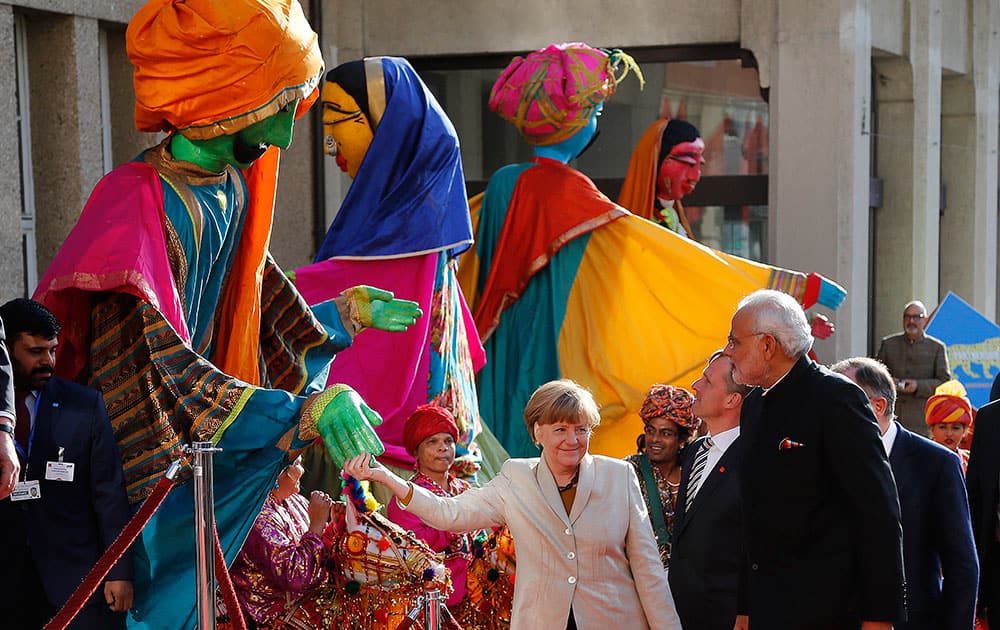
432, 610
204, 531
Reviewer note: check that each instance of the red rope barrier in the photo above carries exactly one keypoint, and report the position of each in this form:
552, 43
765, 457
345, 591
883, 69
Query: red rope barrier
226, 586
113, 553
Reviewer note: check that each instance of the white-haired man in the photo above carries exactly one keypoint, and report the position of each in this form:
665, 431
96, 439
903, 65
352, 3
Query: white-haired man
821, 515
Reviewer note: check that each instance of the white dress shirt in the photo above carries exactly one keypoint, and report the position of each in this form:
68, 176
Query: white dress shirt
889, 437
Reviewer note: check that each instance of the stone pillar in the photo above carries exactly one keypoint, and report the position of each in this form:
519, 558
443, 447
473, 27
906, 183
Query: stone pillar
986, 77
819, 165
908, 149
925, 60
969, 121
66, 137
11, 262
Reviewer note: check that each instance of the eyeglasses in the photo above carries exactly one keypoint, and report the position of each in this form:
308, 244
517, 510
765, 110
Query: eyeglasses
909, 316
731, 340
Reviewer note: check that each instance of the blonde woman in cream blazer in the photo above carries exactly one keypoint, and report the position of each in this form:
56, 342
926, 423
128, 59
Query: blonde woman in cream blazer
586, 556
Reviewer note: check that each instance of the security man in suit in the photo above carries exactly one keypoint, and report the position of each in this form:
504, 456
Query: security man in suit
939, 555
821, 515
708, 524
70, 502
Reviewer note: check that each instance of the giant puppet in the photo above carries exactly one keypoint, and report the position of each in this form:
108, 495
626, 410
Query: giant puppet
171, 303
401, 226
665, 166
566, 283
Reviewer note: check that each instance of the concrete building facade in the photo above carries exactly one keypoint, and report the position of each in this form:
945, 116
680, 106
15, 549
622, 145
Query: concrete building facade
881, 119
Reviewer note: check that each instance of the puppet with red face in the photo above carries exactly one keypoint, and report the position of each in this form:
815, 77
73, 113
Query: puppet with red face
654, 190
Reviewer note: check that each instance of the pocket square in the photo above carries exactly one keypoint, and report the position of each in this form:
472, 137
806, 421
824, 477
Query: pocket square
788, 443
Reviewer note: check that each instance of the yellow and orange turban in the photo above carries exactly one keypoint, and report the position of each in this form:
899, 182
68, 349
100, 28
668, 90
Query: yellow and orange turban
949, 404
208, 68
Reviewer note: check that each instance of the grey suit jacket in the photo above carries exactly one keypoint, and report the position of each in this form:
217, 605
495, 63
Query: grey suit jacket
6, 379
601, 559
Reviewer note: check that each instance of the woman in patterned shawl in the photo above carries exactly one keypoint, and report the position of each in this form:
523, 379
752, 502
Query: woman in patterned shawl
283, 558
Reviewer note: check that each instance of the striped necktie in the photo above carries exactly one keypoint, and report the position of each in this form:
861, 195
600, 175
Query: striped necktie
697, 472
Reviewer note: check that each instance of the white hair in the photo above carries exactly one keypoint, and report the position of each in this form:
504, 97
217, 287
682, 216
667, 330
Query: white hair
779, 315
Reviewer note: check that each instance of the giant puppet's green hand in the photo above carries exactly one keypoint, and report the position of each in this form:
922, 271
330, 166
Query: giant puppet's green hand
345, 423
377, 308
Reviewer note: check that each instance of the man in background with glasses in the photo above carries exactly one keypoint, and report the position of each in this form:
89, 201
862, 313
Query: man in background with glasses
918, 363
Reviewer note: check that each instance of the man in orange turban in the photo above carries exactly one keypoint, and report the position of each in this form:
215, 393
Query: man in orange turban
175, 309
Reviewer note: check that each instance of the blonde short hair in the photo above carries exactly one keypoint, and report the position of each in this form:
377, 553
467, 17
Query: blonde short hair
561, 401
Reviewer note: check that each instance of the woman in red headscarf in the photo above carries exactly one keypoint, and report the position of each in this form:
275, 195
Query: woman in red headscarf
429, 435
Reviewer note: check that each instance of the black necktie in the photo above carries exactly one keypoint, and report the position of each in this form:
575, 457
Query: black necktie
23, 428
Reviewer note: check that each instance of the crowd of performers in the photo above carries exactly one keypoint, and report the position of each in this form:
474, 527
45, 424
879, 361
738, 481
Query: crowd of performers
489, 315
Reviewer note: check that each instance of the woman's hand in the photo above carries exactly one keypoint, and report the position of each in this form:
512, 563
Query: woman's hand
361, 468
364, 467
319, 510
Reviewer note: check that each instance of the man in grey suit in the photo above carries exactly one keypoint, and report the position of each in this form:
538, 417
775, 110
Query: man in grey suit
917, 362
708, 524
9, 466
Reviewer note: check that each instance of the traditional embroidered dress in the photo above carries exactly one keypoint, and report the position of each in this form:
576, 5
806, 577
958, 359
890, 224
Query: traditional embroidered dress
457, 548
667, 493
401, 227
280, 562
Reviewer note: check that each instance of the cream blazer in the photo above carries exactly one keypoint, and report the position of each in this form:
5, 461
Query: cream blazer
601, 559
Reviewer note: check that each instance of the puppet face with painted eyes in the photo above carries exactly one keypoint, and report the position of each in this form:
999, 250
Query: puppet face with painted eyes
680, 171
681, 158
347, 133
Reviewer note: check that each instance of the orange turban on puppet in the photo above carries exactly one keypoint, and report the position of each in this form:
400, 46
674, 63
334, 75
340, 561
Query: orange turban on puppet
425, 421
208, 68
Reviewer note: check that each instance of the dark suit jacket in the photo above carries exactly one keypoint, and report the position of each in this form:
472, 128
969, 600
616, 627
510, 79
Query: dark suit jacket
68, 529
983, 481
821, 517
708, 544
937, 535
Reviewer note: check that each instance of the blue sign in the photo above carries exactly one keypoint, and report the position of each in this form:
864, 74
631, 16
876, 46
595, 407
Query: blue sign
973, 343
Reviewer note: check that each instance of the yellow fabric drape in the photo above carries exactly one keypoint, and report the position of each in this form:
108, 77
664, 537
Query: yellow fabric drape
648, 306
468, 263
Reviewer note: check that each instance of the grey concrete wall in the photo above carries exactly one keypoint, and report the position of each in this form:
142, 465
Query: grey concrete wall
402, 26
11, 266
126, 140
65, 122
819, 157
109, 10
